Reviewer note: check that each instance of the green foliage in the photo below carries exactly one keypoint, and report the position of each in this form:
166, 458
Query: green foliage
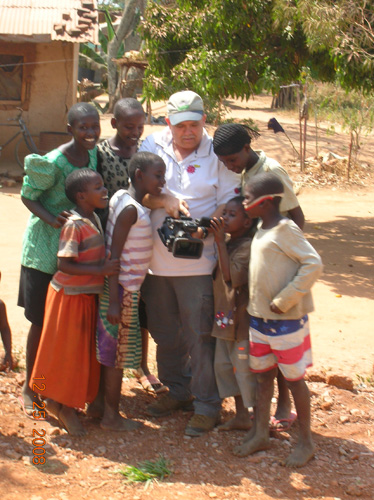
342, 29
353, 110
365, 381
230, 49
110, 30
147, 471
89, 57
237, 48
101, 109
111, 5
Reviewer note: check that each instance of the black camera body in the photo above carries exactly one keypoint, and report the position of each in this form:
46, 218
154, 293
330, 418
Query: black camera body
175, 234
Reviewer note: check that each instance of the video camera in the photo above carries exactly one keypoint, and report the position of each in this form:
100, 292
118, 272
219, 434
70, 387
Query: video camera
175, 234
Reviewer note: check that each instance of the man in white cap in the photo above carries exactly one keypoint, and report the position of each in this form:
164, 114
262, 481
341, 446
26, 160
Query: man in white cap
178, 291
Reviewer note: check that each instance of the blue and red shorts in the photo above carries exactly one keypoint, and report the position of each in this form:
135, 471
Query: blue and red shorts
282, 343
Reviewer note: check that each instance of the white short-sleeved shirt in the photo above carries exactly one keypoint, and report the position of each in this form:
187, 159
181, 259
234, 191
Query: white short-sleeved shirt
205, 183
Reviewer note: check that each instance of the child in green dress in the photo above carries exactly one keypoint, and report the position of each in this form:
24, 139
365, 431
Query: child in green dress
43, 193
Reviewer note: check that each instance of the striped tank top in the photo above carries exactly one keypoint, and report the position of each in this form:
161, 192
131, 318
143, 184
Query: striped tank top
137, 251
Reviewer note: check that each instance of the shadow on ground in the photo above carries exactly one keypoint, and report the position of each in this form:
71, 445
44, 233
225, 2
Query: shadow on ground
346, 247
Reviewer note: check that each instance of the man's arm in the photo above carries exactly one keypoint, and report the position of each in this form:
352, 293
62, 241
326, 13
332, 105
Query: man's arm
297, 215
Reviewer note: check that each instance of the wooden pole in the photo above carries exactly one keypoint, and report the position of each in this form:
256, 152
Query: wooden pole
300, 128
304, 145
350, 157
316, 127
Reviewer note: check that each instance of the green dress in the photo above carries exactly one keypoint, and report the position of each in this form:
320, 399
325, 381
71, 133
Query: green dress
45, 182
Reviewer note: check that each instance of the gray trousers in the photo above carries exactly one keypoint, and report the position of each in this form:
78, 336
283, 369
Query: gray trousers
180, 319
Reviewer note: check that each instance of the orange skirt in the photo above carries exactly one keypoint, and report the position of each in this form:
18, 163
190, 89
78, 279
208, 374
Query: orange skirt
66, 369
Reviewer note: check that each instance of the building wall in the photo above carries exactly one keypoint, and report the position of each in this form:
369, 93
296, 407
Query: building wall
53, 90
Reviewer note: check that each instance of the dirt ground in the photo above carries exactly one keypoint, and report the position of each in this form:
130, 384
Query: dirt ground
340, 224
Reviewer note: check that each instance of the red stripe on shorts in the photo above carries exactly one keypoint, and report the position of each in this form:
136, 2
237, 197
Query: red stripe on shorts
258, 350
293, 355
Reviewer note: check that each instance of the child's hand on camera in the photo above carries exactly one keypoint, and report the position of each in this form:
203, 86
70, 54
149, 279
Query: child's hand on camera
218, 231
111, 266
275, 309
60, 219
174, 206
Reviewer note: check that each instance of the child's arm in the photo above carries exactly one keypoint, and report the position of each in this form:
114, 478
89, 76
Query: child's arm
69, 265
223, 255
297, 248
38, 209
6, 336
171, 204
125, 220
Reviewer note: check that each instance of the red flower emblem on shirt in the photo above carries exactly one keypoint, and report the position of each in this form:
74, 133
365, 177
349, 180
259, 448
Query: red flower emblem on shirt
237, 190
191, 169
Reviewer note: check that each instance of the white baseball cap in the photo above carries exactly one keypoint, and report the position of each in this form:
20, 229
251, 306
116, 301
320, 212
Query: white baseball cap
185, 106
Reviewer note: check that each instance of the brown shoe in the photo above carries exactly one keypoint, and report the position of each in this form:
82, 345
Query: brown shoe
200, 424
166, 405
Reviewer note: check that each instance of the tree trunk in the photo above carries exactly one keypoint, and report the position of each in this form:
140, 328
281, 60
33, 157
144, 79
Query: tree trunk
124, 29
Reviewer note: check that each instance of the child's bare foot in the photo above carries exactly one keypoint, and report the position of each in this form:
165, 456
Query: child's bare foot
241, 423
53, 407
250, 435
68, 418
251, 446
301, 455
95, 409
118, 423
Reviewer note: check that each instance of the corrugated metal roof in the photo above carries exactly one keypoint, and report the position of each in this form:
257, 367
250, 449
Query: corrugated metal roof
68, 20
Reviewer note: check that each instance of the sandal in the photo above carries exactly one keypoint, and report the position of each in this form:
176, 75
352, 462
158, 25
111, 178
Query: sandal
282, 424
157, 386
150, 383
31, 412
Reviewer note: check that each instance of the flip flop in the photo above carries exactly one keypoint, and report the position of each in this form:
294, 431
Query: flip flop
150, 383
157, 386
282, 424
29, 410
143, 380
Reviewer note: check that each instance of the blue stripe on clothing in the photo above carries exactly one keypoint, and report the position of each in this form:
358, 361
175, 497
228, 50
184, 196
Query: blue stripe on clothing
274, 327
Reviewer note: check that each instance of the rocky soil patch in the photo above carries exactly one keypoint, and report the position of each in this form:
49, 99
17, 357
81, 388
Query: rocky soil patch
202, 468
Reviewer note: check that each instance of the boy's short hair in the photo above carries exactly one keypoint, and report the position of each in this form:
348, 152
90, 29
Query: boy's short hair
81, 109
265, 184
142, 160
127, 104
230, 138
77, 181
